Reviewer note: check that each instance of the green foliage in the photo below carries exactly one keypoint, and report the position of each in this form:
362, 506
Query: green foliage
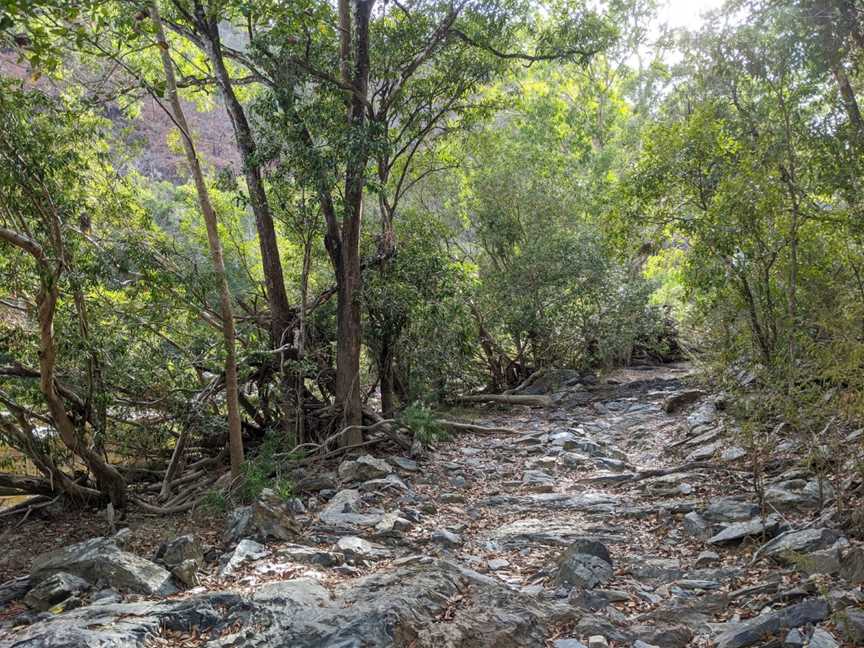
264, 470
421, 420
214, 502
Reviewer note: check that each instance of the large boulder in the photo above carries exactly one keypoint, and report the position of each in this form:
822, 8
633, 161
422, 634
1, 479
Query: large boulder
101, 560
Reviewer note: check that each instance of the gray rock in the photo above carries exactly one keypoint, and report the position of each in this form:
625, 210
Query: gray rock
597, 641
657, 569
681, 399
343, 510
798, 494
825, 561
697, 526
497, 564
392, 524
180, 549
794, 639
269, 517
615, 465
738, 531
364, 468
55, 589
446, 538
305, 555
852, 565
315, 483
673, 636
851, 623
273, 517
703, 453
787, 547
538, 481
100, 559
707, 558
14, 589
727, 509
574, 460
753, 631
733, 453
696, 584
585, 563
246, 551
702, 417
403, 463
357, 549
187, 572
822, 639
389, 483
568, 643
294, 593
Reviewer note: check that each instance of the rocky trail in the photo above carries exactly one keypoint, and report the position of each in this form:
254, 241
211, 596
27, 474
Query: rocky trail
622, 514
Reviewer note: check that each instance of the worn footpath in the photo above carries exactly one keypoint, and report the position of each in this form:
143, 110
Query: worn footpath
623, 514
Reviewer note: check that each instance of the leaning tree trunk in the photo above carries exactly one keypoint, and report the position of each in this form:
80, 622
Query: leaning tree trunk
274, 281
232, 390
108, 478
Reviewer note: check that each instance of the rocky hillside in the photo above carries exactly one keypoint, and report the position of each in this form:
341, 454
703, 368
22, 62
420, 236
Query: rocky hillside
620, 515
145, 139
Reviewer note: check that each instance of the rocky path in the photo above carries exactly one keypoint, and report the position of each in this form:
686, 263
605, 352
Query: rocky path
623, 515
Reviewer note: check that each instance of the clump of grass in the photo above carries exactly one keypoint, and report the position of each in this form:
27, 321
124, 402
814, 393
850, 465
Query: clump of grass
421, 420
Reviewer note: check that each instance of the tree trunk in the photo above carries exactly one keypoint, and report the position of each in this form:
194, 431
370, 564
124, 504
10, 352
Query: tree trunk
348, 274
385, 379
109, 479
235, 433
274, 282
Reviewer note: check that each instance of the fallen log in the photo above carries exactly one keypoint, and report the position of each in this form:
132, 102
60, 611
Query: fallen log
507, 399
11, 485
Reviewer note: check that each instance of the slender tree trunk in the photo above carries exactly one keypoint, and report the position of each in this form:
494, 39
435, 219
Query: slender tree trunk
348, 274
274, 282
850, 102
106, 475
385, 377
235, 434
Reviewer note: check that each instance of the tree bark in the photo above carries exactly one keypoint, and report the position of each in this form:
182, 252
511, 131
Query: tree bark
348, 272
274, 281
235, 433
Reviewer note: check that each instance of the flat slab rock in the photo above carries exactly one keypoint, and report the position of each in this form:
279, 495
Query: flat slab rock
398, 608
753, 631
537, 531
